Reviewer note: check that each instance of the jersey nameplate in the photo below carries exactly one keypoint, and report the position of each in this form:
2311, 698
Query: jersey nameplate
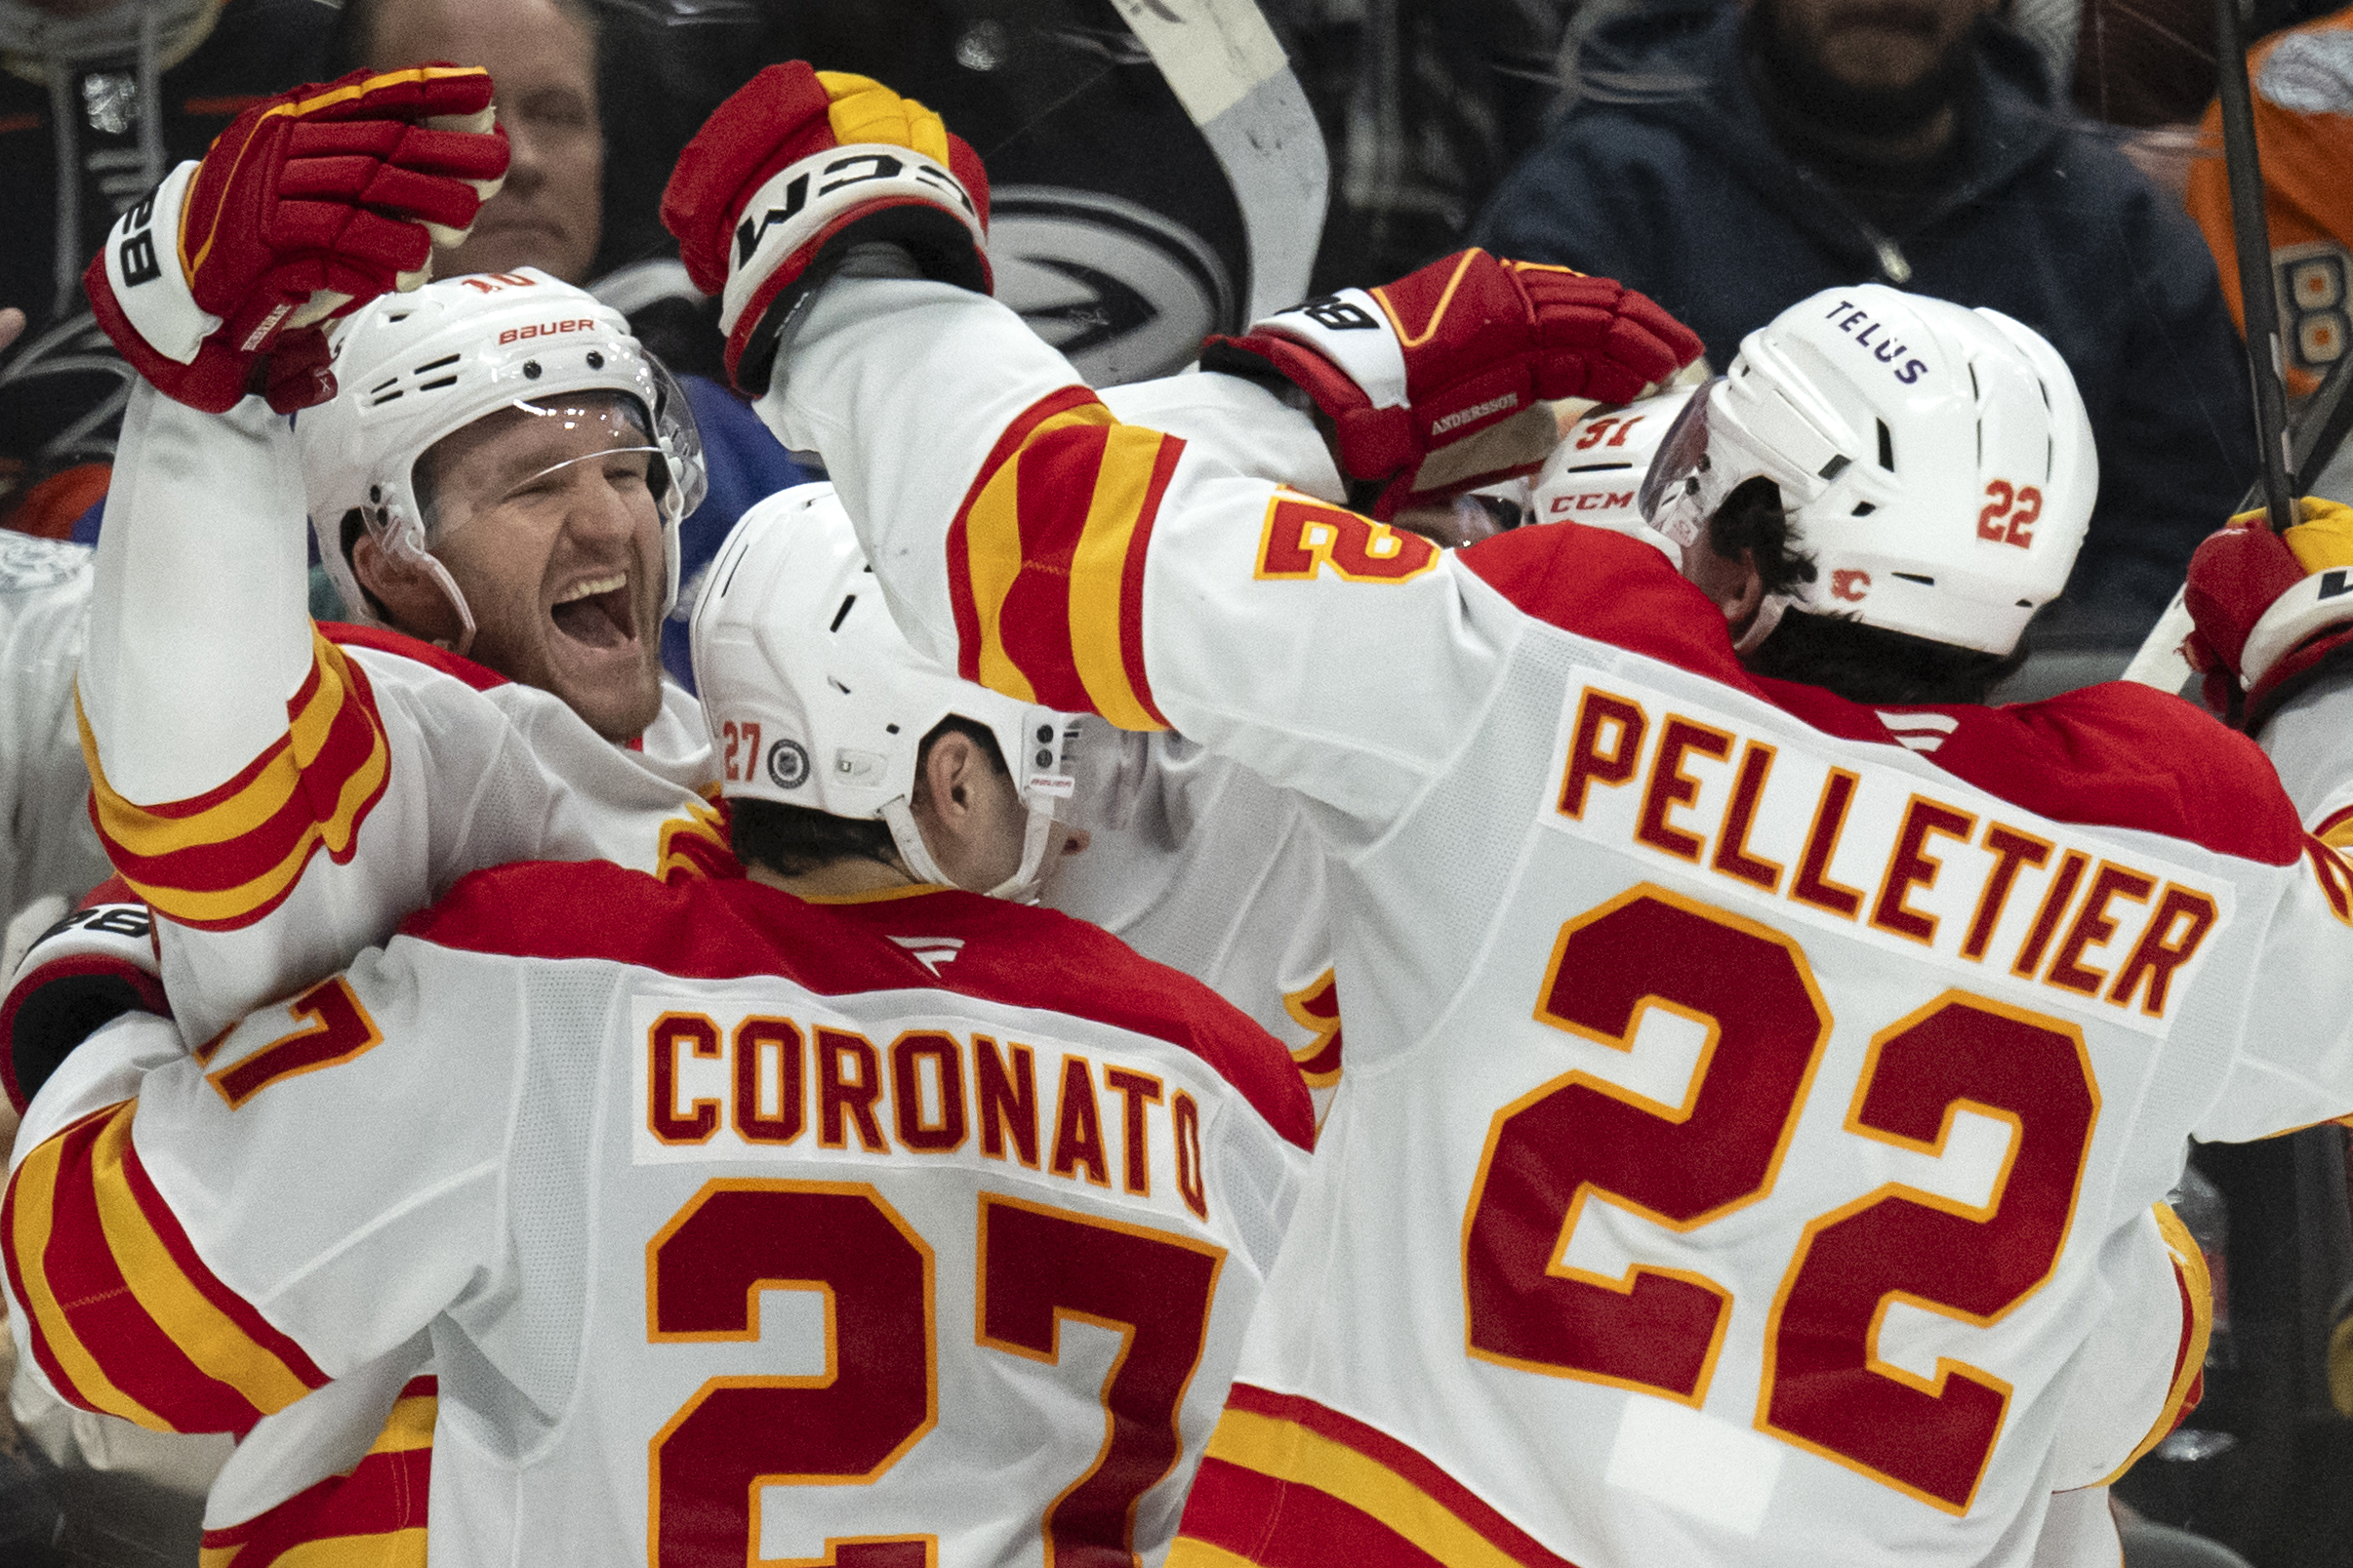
762, 1083
1890, 858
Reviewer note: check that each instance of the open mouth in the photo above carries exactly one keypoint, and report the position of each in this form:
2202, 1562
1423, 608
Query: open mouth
598, 612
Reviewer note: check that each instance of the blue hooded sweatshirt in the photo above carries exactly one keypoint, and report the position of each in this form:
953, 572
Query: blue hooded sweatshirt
1669, 179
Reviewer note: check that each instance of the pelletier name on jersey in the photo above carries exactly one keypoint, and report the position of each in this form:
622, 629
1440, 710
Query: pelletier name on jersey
720, 1086
1914, 860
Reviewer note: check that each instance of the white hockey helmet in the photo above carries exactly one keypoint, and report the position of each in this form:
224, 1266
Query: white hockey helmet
1935, 462
412, 368
1595, 475
815, 697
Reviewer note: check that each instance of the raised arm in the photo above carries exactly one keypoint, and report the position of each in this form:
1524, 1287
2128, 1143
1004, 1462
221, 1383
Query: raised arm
1057, 553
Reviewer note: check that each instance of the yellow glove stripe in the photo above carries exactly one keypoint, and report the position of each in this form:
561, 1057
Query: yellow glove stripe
2325, 537
865, 110
312, 106
1430, 328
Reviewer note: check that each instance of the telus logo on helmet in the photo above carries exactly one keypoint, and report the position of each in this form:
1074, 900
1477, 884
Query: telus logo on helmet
1885, 351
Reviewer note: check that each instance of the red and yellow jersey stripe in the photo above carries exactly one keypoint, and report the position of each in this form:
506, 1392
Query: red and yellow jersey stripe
124, 1316
1045, 560
373, 1513
227, 858
1288, 1483
2196, 1285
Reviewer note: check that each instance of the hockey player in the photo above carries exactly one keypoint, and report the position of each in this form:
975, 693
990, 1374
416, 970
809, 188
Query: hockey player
889, 1225
519, 499
501, 473
1754, 1070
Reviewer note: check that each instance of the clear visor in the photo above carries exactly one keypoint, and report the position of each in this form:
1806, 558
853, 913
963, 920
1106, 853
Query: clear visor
548, 455
1672, 499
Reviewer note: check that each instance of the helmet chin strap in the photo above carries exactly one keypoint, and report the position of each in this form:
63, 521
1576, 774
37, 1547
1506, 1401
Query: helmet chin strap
1021, 887
1760, 624
432, 568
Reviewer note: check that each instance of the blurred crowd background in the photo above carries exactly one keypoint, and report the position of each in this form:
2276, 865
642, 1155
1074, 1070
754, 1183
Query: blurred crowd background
1163, 169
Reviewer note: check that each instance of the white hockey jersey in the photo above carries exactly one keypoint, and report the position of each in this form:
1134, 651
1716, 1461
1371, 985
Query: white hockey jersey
917, 1228
1751, 1091
283, 793
1214, 872
50, 851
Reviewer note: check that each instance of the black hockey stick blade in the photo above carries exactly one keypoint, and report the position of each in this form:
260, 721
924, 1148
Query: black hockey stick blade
2259, 299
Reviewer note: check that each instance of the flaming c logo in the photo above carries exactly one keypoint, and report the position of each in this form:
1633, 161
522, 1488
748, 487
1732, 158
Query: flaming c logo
1849, 584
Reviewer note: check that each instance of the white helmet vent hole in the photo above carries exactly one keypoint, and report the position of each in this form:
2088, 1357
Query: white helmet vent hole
1887, 446
446, 381
2050, 457
1834, 467
835, 682
2026, 604
1863, 508
890, 729
843, 614
1915, 577
445, 359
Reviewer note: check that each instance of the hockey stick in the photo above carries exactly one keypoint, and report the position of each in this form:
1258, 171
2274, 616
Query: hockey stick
1227, 69
2159, 662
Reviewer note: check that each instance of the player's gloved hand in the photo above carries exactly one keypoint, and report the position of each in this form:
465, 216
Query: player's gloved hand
308, 204
792, 171
86, 971
1437, 381
2269, 606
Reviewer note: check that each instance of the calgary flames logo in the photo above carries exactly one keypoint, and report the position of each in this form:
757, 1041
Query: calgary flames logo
1849, 584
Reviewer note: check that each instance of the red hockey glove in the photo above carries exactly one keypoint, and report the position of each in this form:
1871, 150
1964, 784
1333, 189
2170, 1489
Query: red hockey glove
310, 203
793, 169
2268, 607
1437, 381
86, 971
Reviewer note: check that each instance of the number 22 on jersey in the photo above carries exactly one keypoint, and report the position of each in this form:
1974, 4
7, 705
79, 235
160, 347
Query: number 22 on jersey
1658, 1331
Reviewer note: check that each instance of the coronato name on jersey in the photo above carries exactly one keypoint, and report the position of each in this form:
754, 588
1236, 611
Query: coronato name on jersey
1891, 1024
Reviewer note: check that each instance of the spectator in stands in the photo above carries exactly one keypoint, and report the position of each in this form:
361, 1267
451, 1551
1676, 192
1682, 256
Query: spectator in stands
99, 98
1755, 156
550, 215
543, 55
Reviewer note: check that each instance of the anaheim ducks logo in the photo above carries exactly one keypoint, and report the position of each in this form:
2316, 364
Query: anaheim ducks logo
1849, 584
1122, 291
